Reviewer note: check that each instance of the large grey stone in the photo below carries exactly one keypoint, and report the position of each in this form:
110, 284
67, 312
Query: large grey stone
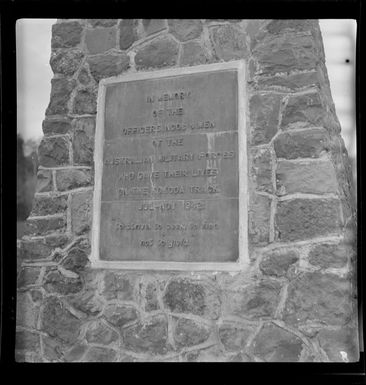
81, 212
185, 29
104, 66
189, 332
100, 40
66, 35
54, 152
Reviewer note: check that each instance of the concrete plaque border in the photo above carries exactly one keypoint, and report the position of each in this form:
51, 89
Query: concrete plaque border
243, 258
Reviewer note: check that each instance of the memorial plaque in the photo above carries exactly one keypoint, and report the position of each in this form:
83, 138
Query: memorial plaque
171, 169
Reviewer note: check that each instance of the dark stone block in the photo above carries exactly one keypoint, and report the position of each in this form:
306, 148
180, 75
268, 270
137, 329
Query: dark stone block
127, 33
259, 217
70, 179
261, 169
157, 54
229, 43
335, 256
66, 62
150, 336
61, 89
193, 53
189, 296
44, 181
189, 332
76, 260
317, 297
234, 337
118, 287
98, 332
99, 354
85, 102
66, 35
153, 25
264, 117
120, 315
49, 205
278, 263
35, 227
83, 141
81, 212
303, 111
185, 29
254, 301
304, 144
100, 40
35, 250
55, 282
58, 322
300, 219
274, 344
56, 126
102, 22
25, 340
54, 152
104, 66
28, 276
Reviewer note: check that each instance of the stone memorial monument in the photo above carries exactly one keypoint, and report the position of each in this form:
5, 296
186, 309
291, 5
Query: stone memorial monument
194, 199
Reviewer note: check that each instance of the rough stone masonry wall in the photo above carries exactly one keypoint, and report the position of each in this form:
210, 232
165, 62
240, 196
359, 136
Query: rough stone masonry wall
297, 301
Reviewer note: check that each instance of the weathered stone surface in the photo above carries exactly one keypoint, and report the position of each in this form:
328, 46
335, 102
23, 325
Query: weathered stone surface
85, 102
81, 212
76, 352
57, 126
83, 141
259, 216
277, 263
117, 287
102, 22
183, 295
304, 144
153, 25
58, 322
234, 337
70, 179
120, 315
28, 276
229, 43
44, 181
66, 62
99, 354
98, 332
300, 219
84, 77
65, 35
340, 345
100, 40
254, 301
211, 354
320, 298
57, 240
264, 117
303, 111
54, 152
26, 311
61, 89
274, 344
149, 336
188, 332
34, 250
327, 256
261, 169
148, 292
193, 53
35, 227
55, 282
104, 66
284, 53
49, 205
290, 82
25, 340
87, 302
127, 33
76, 260
185, 29
315, 177
293, 25
53, 349
159, 53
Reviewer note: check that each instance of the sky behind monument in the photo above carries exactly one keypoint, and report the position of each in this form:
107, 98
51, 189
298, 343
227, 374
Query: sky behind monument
33, 39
